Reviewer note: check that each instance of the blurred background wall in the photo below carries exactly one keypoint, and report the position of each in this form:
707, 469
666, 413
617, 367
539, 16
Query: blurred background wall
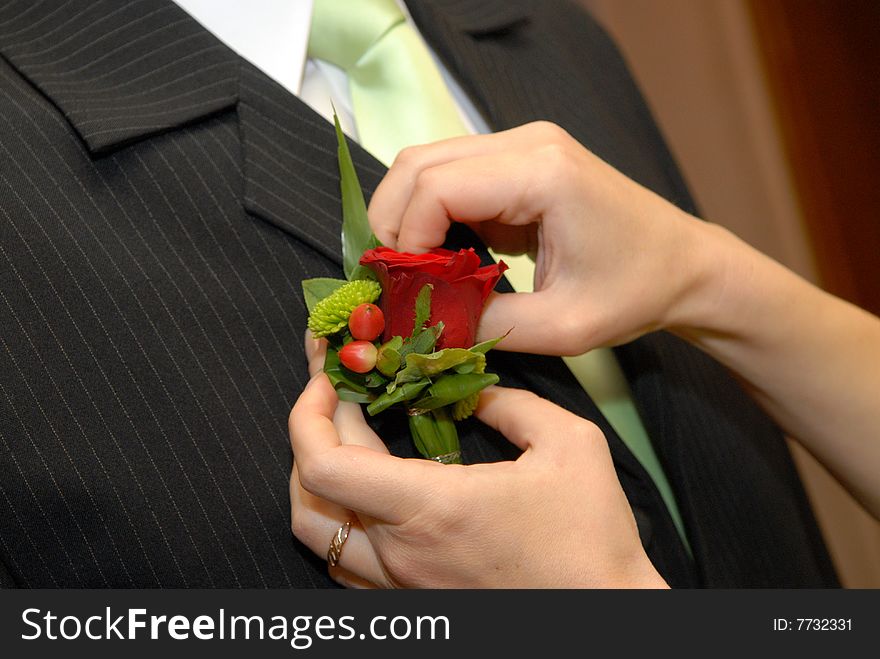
771, 108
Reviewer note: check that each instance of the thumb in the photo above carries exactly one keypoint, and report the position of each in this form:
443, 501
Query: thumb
316, 352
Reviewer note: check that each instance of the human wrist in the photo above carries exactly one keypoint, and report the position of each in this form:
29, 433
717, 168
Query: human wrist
714, 265
741, 300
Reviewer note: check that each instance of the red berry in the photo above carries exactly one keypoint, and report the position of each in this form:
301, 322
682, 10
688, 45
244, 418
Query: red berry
358, 356
366, 322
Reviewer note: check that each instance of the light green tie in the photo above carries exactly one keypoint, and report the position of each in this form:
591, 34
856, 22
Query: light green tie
400, 99
398, 95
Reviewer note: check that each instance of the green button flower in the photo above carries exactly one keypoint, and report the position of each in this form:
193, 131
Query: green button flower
331, 314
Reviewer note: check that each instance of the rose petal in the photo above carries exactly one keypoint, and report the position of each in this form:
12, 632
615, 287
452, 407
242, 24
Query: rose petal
460, 287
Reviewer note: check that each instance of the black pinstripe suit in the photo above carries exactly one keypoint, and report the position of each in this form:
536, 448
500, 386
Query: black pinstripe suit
160, 200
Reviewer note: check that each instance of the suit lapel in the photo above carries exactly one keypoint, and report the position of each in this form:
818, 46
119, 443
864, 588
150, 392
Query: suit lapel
463, 34
120, 72
291, 174
502, 54
124, 72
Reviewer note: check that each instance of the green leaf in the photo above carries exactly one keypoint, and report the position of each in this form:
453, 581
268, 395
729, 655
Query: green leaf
423, 342
388, 361
356, 234
400, 395
452, 388
420, 366
374, 380
349, 396
486, 346
423, 308
315, 290
362, 271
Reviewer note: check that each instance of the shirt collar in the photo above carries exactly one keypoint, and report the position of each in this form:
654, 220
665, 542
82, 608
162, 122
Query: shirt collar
273, 35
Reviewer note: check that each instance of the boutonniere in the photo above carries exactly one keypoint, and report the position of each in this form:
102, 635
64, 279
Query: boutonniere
401, 327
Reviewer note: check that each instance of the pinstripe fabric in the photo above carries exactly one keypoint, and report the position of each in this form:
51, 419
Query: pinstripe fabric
160, 200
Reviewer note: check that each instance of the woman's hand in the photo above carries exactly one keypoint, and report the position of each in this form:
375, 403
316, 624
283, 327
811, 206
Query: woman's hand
613, 260
556, 517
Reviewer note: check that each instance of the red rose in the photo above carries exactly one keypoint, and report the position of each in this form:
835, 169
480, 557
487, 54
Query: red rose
460, 287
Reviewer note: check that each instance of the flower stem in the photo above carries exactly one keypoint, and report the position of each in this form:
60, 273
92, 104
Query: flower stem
435, 436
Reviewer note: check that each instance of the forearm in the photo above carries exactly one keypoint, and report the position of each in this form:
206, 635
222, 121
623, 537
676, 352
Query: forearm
812, 360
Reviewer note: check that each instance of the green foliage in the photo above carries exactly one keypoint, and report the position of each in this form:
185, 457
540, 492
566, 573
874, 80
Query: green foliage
315, 290
423, 309
388, 361
486, 346
375, 380
357, 237
401, 394
465, 407
420, 366
450, 389
423, 342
